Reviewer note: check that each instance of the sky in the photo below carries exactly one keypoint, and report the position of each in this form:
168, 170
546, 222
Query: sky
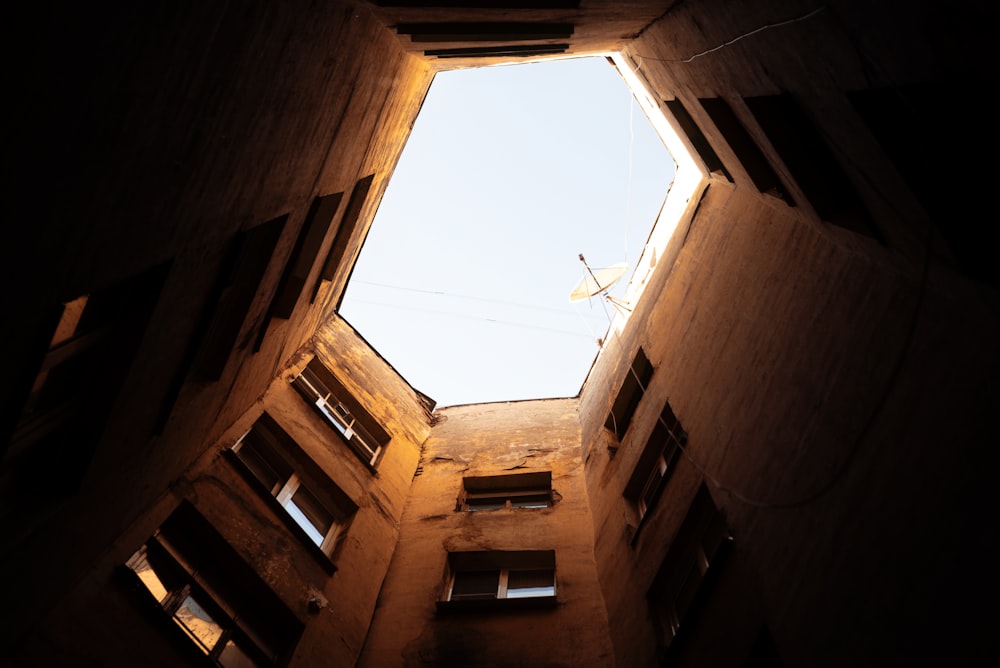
510, 174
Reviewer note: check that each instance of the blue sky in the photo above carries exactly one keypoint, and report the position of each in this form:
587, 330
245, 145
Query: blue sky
510, 173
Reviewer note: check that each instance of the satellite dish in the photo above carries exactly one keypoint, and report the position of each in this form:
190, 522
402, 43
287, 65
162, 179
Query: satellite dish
597, 281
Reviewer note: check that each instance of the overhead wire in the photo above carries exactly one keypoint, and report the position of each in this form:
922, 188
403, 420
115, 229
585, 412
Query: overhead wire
452, 314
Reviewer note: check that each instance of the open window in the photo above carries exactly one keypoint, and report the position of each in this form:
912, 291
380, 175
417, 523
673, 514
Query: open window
353, 423
499, 579
656, 463
743, 145
685, 576
812, 163
316, 508
512, 490
632, 389
206, 593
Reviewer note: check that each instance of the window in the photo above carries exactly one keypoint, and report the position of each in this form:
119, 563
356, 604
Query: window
233, 295
357, 428
313, 503
697, 138
684, 580
812, 164
656, 462
488, 579
69, 382
314, 230
348, 224
736, 135
211, 596
515, 490
632, 389
898, 118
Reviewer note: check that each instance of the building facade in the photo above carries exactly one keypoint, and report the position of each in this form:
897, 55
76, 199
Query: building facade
781, 457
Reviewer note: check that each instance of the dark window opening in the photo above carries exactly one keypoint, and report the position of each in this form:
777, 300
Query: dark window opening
763, 653
764, 178
209, 596
349, 222
812, 163
311, 236
698, 140
929, 138
303, 258
627, 400
91, 343
685, 576
513, 490
239, 282
656, 463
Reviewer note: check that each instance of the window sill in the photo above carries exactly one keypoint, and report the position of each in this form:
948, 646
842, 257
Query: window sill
496, 604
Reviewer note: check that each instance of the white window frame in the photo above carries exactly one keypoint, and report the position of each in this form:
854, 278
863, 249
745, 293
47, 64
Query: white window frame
356, 436
284, 490
502, 583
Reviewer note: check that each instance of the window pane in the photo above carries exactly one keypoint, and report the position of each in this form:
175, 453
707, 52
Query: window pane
474, 585
485, 502
313, 511
234, 657
531, 501
266, 466
303, 521
198, 624
526, 584
144, 570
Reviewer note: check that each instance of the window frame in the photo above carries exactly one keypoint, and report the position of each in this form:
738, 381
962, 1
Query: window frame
655, 465
689, 569
187, 559
355, 426
529, 491
271, 444
503, 563
629, 396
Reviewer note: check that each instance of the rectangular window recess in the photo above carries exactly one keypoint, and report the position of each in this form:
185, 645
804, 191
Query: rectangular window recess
697, 138
356, 427
238, 282
311, 236
209, 596
348, 224
499, 579
481, 31
686, 574
308, 500
655, 465
514, 490
482, 4
84, 352
511, 50
761, 173
627, 400
812, 163
900, 118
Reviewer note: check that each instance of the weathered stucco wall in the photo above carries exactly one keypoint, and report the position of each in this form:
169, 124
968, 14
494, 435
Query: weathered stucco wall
221, 491
492, 439
812, 368
217, 119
